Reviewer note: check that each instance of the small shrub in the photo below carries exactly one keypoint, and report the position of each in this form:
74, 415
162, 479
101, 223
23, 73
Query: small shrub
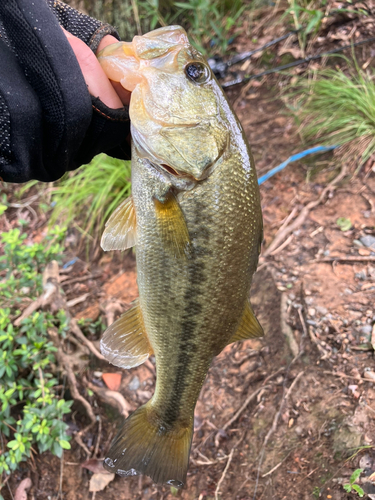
31, 410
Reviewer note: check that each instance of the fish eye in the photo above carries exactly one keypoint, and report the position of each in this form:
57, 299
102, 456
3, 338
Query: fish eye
197, 72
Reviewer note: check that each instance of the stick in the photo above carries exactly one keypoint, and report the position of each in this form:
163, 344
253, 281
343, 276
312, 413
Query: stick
285, 328
50, 285
223, 474
243, 407
274, 423
349, 258
65, 362
284, 231
78, 333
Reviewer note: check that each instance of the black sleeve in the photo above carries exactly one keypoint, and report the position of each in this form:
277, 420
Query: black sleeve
48, 122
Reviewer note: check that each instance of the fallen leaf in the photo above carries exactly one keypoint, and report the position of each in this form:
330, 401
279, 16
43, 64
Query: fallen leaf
95, 466
99, 481
296, 52
112, 380
24, 485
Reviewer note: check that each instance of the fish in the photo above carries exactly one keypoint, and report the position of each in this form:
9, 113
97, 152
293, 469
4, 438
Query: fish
194, 217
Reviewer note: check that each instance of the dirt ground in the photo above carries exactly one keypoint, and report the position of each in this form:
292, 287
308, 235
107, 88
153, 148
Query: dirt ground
290, 416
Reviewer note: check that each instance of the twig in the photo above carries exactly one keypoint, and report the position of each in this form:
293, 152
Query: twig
243, 407
50, 285
78, 333
275, 422
223, 474
113, 398
96, 449
42, 385
279, 464
285, 328
77, 300
348, 258
343, 375
65, 362
284, 231
283, 401
230, 456
80, 279
78, 439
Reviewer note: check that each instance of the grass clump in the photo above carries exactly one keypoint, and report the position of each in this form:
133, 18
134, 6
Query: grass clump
336, 108
31, 408
91, 194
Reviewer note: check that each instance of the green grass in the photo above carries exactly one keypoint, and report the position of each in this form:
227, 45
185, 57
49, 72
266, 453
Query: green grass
337, 107
211, 24
87, 198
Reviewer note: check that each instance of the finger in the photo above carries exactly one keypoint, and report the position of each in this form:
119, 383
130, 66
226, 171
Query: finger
96, 80
121, 92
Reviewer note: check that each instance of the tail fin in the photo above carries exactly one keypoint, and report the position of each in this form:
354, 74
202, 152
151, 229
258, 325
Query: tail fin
145, 446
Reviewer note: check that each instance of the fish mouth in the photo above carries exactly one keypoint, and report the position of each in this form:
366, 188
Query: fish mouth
176, 173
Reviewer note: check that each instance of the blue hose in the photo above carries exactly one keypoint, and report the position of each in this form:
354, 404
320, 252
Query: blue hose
298, 156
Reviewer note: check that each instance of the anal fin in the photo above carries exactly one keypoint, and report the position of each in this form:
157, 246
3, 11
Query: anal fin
172, 226
125, 342
120, 229
249, 327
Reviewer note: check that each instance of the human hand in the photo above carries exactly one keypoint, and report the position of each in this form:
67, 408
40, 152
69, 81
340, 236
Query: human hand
111, 93
50, 122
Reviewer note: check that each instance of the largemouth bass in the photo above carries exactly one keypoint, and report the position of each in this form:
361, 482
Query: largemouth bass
195, 218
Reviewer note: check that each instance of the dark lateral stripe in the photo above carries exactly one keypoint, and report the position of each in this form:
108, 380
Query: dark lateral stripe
188, 341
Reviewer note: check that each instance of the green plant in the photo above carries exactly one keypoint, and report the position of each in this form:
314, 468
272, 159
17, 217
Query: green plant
316, 492
344, 223
21, 263
31, 410
335, 108
209, 23
89, 196
307, 19
352, 486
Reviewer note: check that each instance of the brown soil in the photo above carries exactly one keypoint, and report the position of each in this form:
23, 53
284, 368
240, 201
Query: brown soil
315, 404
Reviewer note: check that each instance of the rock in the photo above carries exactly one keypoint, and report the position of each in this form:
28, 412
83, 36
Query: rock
365, 330
134, 383
365, 462
368, 241
321, 310
370, 375
299, 430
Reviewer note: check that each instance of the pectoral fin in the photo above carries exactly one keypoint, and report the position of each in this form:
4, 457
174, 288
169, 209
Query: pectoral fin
120, 229
249, 327
172, 226
125, 342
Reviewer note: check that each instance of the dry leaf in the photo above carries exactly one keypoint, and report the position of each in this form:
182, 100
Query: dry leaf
112, 380
24, 485
295, 51
99, 481
95, 465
